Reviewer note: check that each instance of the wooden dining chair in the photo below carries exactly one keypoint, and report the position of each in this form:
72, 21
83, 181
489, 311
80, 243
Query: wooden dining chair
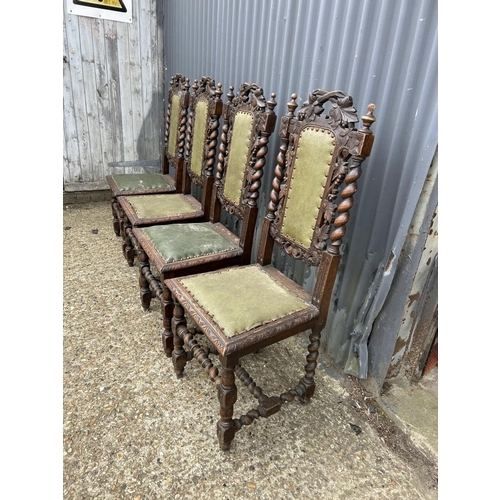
182, 249
173, 156
202, 128
243, 309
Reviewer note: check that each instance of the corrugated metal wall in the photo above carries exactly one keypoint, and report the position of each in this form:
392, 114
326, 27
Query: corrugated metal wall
113, 92
380, 51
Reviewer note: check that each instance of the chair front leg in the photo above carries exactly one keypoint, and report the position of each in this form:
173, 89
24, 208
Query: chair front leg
228, 394
116, 218
307, 383
144, 270
168, 314
127, 247
179, 355
120, 214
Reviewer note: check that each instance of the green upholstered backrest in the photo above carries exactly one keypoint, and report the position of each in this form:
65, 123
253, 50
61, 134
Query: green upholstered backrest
308, 178
238, 155
200, 127
174, 123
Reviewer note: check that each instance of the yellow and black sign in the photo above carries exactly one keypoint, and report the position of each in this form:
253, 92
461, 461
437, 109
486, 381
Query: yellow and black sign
116, 5
114, 10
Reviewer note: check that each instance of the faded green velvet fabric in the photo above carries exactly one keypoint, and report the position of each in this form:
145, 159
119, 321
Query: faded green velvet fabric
174, 123
150, 206
238, 153
200, 125
312, 163
242, 298
182, 241
131, 182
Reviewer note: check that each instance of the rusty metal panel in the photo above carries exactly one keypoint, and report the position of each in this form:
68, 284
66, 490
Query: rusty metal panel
383, 52
113, 86
397, 341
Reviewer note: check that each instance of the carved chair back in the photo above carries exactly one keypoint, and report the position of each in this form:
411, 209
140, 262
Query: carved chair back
243, 309
318, 164
248, 122
175, 127
205, 109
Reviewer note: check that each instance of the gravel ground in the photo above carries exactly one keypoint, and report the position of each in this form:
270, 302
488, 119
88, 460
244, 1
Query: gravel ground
132, 430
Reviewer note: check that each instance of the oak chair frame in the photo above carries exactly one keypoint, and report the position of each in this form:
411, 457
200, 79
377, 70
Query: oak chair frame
203, 91
350, 150
179, 86
249, 100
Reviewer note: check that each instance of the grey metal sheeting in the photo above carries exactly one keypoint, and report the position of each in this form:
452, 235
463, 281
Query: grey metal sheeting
383, 52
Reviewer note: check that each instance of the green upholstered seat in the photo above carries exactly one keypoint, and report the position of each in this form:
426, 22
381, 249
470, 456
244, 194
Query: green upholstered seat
241, 298
143, 182
177, 242
163, 205
133, 182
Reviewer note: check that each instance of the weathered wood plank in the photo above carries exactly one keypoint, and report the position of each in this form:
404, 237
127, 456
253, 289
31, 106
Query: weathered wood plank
135, 83
112, 61
124, 54
71, 151
146, 135
113, 91
94, 169
102, 98
78, 97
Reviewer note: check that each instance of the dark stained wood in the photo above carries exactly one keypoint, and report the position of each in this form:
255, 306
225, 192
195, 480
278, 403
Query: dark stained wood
226, 428
250, 100
204, 90
179, 85
324, 114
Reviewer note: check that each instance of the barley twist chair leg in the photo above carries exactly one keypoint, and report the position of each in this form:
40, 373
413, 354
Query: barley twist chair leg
179, 355
143, 281
168, 313
116, 217
127, 247
307, 382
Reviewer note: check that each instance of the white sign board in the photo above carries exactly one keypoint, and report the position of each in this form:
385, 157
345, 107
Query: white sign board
115, 10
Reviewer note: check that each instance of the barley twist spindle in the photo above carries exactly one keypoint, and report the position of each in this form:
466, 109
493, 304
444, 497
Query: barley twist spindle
258, 168
147, 275
223, 137
167, 118
308, 380
199, 354
189, 127
213, 134
245, 377
346, 204
182, 126
280, 167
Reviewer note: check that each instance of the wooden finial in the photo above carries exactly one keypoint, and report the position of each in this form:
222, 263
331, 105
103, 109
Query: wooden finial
368, 119
271, 104
218, 92
292, 105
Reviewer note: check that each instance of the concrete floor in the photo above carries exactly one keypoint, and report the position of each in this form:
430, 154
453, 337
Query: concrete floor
414, 408
132, 430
